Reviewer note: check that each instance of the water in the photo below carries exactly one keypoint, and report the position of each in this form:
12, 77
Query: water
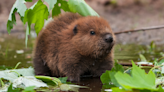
13, 50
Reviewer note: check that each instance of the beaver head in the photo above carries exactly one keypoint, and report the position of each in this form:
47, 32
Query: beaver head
93, 37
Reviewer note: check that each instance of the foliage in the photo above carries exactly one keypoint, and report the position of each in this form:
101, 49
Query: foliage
26, 81
36, 14
29, 89
10, 89
81, 7
39, 12
137, 81
108, 78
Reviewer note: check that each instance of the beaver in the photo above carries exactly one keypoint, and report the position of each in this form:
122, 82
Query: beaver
71, 45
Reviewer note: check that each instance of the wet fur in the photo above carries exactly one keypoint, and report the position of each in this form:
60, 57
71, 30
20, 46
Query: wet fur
60, 51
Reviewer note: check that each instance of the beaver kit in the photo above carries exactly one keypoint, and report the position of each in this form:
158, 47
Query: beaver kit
71, 45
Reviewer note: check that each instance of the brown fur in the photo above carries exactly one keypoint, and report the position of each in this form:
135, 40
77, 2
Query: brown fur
60, 51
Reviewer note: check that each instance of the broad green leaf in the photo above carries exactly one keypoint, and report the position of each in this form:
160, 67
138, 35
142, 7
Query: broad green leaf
118, 67
12, 74
56, 10
26, 81
18, 6
108, 78
49, 80
10, 89
138, 80
12, 21
29, 89
25, 71
63, 79
161, 61
71, 87
160, 89
64, 5
113, 79
51, 3
117, 89
28, 0
36, 15
105, 79
81, 7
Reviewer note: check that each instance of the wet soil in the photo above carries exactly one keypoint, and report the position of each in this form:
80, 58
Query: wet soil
124, 15
133, 14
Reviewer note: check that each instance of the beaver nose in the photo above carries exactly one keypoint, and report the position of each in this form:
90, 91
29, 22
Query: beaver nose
108, 38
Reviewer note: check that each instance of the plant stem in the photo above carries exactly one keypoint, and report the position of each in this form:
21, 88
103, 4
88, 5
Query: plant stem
128, 69
16, 73
161, 58
1, 82
17, 65
53, 79
156, 67
140, 29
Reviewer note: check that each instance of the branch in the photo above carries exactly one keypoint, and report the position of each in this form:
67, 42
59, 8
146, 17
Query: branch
130, 64
141, 29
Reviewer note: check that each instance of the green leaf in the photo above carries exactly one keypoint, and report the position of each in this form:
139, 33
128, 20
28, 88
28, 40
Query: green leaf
28, 0
81, 7
18, 6
63, 79
113, 79
51, 3
49, 80
108, 78
118, 67
64, 5
26, 81
105, 79
10, 89
29, 89
138, 80
117, 89
37, 14
160, 89
12, 74
56, 10
161, 61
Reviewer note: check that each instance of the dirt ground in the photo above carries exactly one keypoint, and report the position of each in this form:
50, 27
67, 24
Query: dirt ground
122, 15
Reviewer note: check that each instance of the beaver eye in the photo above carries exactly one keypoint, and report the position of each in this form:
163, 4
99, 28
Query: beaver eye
92, 32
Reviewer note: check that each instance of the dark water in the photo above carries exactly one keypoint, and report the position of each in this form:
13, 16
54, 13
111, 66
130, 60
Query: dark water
11, 46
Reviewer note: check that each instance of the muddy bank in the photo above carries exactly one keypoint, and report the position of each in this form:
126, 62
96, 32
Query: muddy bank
127, 14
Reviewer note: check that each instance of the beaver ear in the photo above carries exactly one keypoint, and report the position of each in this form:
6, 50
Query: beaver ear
75, 29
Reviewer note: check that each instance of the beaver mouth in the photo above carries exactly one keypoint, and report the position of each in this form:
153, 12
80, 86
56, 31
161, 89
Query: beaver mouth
104, 51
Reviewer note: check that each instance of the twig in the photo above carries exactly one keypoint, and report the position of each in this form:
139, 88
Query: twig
141, 29
130, 64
